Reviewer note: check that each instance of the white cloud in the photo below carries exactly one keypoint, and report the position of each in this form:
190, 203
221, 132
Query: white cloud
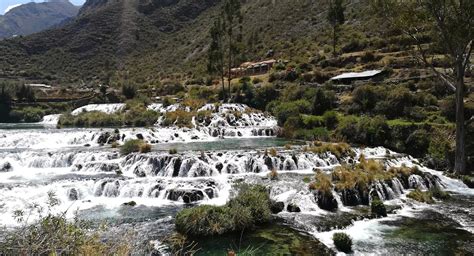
11, 7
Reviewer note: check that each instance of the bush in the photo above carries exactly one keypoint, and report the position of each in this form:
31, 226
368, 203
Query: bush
285, 110
343, 242
54, 233
377, 208
421, 196
249, 208
131, 146
330, 119
129, 91
173, 151
323, 101
144, 148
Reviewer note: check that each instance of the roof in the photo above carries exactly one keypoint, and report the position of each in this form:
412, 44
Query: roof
355, 75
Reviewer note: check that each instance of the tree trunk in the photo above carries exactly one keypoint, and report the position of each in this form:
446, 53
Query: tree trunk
229, 75
460, 158
223, 88
334, 40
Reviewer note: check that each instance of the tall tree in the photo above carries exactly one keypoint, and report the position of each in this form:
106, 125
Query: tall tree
232, 18
451, 24
5, 104
226, 36
335, 19
215, 56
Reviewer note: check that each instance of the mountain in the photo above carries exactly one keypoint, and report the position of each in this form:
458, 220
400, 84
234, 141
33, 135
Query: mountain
148, 40
35, 17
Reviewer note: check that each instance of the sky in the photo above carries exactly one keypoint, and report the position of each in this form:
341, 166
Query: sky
8, 4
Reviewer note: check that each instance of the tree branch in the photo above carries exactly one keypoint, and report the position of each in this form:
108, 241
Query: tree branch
468, 55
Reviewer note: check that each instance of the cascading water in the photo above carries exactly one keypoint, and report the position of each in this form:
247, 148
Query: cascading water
87, 174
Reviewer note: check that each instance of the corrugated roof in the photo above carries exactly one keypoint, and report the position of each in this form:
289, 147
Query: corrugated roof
364, 74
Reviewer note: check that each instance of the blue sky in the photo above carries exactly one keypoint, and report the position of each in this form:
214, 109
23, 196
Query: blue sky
4, 4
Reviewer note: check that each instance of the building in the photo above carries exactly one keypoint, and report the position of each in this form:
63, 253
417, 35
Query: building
253, 68
347, 78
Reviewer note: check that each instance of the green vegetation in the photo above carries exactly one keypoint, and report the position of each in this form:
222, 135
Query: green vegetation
343, 242
421, 196
250, 208
53, 234
377, 208
132, 146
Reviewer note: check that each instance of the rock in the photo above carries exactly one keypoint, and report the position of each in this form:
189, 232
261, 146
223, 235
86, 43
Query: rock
6, 167
293, 208
326, 201
140, 136
188, 196
73, 194
277, 207
87, 145
103, 138
131, 203
195, 137
219, 166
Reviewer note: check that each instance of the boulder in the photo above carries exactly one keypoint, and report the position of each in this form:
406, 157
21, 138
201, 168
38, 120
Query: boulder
131, 203
277, 207
326, 201
73, 194
188, 196
140, 136
6, 167
293, 208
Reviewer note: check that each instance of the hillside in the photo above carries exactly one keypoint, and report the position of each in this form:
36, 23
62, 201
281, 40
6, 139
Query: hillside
35, 17
149, 40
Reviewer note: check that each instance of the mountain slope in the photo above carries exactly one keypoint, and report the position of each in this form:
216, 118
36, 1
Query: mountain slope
147, 40
35, 17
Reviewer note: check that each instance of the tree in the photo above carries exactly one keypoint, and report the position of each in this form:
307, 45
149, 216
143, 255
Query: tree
451, 24
323, 101
5, 104
129, 91
24, 92
215, 53
335, 19
225, 40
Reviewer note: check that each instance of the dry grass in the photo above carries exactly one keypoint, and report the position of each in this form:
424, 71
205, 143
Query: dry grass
322, 183
273, 152
273, 174
361, 175
337, 149
144, 148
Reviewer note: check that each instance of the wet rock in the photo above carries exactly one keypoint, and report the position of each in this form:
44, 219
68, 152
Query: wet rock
188, 196
293, 208
140, 136
326, 201
6, 167
277, 207
350, 197
73, 194
131, 203
103, 137
219, 166
195, 137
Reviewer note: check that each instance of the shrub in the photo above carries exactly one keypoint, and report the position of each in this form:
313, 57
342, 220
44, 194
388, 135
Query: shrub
287, 109
273, 174
365, 96
173, 151
54, 233
249, 208
439, 194
144, 148
421, 196
377, 208
129, 91
131, 146
343, 242
323, 101
330, 119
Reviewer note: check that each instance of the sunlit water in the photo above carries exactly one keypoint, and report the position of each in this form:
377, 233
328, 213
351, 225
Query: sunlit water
94, 181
